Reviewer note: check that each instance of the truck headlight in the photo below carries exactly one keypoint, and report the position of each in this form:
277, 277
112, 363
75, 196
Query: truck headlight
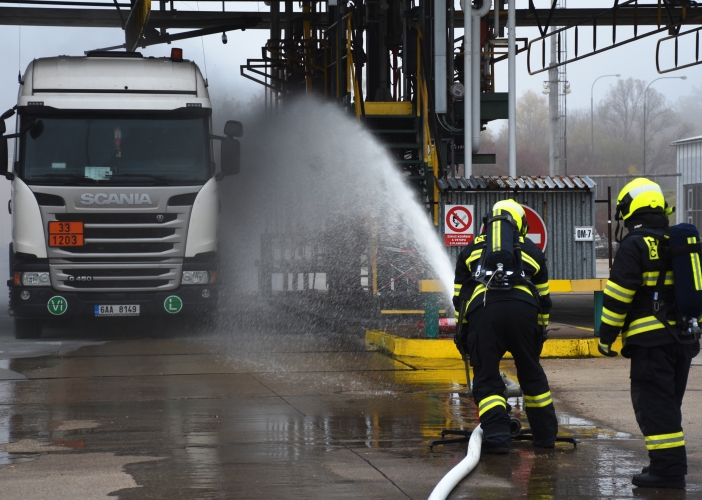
195, 278
36, 279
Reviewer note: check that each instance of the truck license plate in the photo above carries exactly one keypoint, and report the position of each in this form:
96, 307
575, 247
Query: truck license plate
117, 310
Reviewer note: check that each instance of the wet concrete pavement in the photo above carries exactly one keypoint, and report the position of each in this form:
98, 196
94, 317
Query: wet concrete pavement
290, 410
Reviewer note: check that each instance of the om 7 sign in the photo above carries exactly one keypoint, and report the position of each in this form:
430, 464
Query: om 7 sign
584, 233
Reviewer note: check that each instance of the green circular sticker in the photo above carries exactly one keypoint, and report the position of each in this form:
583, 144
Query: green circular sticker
57, 305
173, 304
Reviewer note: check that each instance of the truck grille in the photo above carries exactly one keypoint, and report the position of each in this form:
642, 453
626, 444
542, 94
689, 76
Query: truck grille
98, 218
115, 277
124, 235
123, 252
113, 248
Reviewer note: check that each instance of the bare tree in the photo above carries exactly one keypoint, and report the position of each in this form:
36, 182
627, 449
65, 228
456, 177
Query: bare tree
532, 139
532, 122
690, 109
618, 133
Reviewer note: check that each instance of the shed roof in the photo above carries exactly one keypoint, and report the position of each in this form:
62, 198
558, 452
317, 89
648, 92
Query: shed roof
520, 183
687, 141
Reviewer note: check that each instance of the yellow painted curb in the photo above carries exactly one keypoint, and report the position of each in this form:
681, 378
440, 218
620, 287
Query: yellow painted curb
446, 349
567, 286
555, 286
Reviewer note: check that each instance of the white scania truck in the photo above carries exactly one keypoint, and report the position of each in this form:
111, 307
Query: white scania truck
114, 189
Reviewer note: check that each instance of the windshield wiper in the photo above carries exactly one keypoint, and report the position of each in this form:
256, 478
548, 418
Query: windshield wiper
159, 178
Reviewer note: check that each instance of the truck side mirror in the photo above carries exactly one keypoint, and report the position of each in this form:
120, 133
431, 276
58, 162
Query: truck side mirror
4, 161
233, 129
231, 156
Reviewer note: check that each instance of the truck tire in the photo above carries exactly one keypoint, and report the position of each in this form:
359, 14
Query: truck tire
27, 328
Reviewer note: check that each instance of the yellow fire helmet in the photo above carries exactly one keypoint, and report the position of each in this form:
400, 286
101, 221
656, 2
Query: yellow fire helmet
639, 193
515, 210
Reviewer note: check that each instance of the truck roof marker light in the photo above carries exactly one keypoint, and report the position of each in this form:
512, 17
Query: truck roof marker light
176, 54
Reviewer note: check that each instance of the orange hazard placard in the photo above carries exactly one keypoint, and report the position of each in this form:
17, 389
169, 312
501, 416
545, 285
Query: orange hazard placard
458, 225
65, 228
66, 234
66, 240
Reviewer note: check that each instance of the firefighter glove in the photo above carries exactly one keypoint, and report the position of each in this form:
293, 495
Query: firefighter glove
606, 350
460, 346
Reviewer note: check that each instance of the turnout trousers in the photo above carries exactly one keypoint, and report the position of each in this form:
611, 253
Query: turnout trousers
658, 380
493, 329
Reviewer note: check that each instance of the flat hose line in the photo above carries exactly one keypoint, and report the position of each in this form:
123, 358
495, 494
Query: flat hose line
448, 483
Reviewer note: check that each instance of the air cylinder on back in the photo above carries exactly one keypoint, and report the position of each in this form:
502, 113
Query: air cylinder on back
685, 253
500, 240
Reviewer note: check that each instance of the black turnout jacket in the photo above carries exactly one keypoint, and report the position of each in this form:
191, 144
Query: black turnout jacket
475, 294
628, 296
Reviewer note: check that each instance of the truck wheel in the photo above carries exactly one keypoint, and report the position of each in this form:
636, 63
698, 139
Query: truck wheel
27, 328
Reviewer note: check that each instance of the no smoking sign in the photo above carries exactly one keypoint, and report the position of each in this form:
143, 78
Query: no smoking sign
458, 225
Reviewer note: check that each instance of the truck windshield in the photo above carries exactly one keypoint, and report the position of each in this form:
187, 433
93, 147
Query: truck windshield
121, 150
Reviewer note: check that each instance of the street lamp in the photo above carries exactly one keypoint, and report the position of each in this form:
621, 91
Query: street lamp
592, 120
644, 116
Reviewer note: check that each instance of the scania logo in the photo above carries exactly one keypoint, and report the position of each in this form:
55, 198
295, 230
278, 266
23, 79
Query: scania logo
159, 218
115, 199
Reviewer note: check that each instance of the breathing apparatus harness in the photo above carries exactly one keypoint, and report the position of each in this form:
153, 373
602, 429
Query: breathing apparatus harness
686, 330
498, 270
500, 275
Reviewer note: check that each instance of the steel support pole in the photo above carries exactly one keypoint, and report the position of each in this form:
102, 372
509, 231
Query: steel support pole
471, 81
592, 129
468, 89
554, 125
645, 95
440, 73
512, 87
475, 86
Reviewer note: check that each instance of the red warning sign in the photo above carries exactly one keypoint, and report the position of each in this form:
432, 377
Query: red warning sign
537, 228
458, 225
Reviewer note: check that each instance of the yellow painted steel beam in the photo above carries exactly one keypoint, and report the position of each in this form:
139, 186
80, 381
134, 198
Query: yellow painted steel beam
388, 108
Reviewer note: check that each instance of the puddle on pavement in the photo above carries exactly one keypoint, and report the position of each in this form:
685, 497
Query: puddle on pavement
376, 408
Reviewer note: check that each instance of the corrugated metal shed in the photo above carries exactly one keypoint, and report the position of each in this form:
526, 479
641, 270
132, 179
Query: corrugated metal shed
525, 182
562, 202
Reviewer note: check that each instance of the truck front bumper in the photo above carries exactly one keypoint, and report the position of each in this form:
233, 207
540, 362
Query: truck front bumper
47, 303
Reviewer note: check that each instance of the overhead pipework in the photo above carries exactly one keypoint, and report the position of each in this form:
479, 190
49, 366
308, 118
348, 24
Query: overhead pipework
471, 127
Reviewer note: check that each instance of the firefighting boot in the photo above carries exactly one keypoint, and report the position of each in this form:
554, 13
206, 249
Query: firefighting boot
648, 480
496, 444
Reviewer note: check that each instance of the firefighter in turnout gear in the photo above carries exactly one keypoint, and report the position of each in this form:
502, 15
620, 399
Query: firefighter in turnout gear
495, 318
640, 302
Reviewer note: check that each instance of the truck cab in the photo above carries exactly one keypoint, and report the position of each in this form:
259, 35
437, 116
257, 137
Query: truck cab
114, 197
